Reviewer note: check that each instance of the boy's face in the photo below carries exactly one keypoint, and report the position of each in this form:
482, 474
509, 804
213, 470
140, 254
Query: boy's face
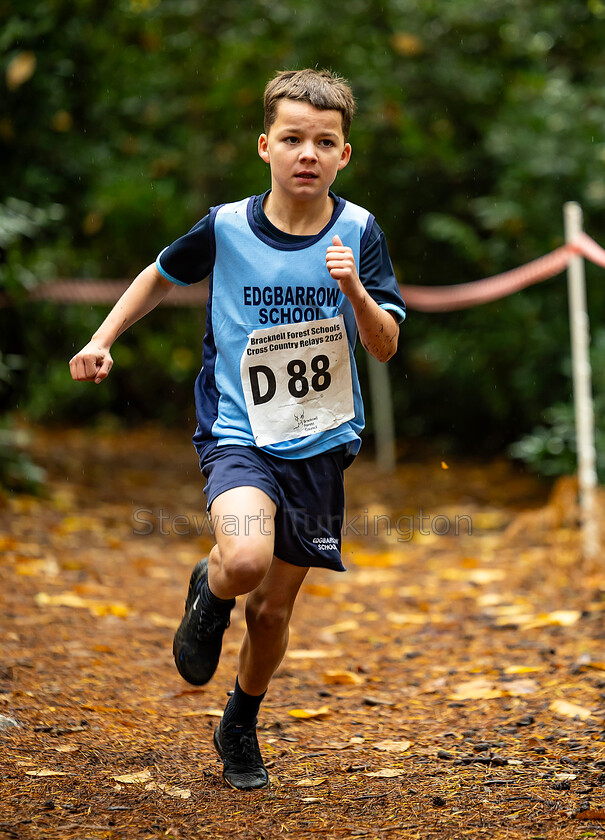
305, 148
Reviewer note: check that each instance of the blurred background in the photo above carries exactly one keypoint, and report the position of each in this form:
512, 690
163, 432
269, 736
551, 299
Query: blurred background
122, 123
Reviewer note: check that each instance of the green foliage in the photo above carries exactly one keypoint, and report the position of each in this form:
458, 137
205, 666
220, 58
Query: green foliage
550, 449
122, 123
17, 470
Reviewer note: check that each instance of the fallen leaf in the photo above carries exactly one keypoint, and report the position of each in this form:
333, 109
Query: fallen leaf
565, 777
178, 793
134, 778
386, 773
517, 688
72, 599
160, 620
308, 714
204, 713
311, 782
444, 466
320, 589
401, 619
342, 678
591, 814
44, 773
562, 707
66, 748
479, 689
342, 626
521, 669
558, 618
392, 746
314, 654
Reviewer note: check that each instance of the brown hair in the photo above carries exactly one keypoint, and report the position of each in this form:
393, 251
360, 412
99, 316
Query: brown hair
320, 88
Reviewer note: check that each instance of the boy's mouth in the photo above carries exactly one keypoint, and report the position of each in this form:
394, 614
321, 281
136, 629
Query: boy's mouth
308, 176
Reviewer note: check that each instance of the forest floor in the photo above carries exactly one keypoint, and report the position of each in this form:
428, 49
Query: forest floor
450, 685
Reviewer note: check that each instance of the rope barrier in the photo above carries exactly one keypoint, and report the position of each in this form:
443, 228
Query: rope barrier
421, 298
464, 295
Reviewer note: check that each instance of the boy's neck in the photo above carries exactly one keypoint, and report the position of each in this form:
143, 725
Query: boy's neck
300, 218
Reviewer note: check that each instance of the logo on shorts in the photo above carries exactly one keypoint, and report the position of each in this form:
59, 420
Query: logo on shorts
326, 543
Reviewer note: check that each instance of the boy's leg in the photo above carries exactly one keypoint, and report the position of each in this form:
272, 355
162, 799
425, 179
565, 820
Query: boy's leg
243, 520
268, 611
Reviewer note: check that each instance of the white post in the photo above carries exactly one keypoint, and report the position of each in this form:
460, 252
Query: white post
382, 414
582, 387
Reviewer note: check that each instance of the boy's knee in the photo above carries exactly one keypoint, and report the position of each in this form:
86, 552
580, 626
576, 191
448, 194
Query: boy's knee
267, 616
245, 567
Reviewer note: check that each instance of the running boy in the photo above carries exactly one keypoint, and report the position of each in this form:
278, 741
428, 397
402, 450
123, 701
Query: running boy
295, 275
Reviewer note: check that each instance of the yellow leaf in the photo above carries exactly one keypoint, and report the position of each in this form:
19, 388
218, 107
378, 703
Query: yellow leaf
517, 688
479, 689
44, 773
311, 782
342, 678
134, 778
315, 654
444, 466
562, 707
160, 620
179, 793
73, 524
342, 626
382, 560
204, 712
401, 619
386, 773
307, 714
407, 44
320, 589
72, 599
489, 520
521, 669
558, 618
20, 69
393, 746
66, 748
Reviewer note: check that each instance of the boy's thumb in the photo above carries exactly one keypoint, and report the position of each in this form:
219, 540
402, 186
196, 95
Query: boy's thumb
336, 240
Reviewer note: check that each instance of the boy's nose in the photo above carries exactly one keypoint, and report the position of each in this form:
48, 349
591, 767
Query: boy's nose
307, 152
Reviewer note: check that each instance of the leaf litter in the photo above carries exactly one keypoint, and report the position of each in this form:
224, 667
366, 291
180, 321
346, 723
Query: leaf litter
448, 685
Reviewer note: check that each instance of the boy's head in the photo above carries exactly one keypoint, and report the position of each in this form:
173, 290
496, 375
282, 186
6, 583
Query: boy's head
320, 88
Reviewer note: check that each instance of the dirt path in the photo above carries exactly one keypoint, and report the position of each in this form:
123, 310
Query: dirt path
452, 683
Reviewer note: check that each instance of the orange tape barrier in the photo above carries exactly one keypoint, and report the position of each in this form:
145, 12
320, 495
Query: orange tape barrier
465, 295
421, 298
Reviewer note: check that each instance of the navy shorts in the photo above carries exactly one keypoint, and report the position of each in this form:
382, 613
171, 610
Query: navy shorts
308, 493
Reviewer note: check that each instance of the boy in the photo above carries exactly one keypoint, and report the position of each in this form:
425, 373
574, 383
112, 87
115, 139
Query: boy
278, 403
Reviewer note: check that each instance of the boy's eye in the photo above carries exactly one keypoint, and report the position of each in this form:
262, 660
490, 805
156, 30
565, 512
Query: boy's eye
291, 140
326, 142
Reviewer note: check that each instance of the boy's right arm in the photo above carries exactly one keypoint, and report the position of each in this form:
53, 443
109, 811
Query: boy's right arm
94, 361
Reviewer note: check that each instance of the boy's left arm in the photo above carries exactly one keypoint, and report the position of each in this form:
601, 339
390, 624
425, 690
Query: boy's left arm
378, 328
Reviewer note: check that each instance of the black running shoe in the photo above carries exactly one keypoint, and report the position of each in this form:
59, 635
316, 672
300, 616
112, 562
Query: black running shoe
243, 767
199, 639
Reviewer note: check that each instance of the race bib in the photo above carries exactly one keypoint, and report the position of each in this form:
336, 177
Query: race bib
297, 380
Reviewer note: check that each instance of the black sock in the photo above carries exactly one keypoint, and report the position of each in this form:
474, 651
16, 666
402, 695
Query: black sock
215, 603
242, 709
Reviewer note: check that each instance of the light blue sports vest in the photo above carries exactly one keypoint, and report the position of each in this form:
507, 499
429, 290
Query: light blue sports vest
258, 283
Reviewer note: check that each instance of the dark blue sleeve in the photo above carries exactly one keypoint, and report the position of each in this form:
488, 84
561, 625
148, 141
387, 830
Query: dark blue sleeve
191, 257
376, 271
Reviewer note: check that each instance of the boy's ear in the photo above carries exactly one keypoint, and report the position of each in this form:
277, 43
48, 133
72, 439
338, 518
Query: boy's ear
263, 148
345, 156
